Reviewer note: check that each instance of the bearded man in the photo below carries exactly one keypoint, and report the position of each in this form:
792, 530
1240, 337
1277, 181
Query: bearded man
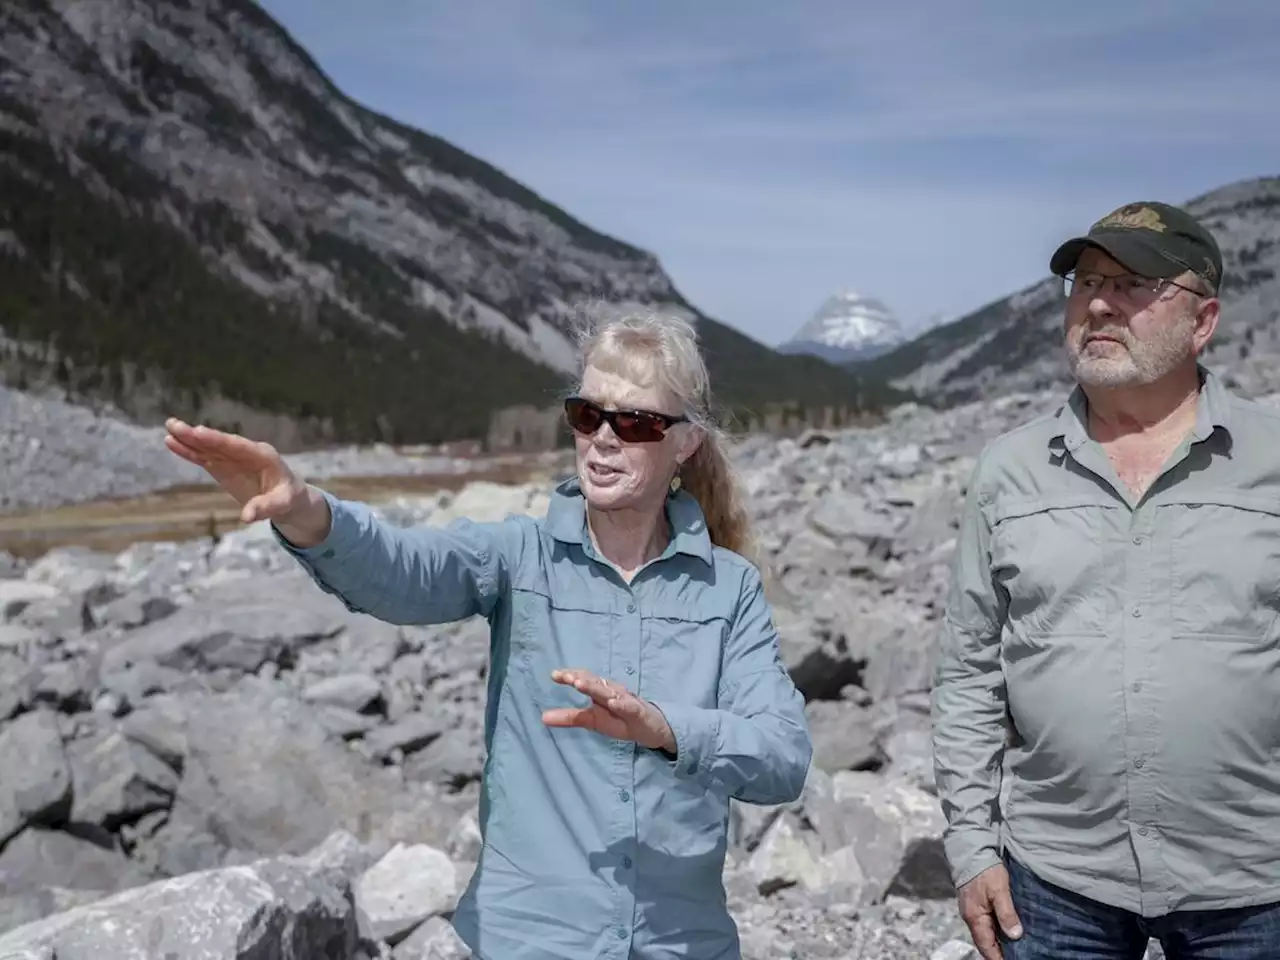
1107, 697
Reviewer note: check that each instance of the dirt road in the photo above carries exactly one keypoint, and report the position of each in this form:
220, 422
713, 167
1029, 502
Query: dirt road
182, 513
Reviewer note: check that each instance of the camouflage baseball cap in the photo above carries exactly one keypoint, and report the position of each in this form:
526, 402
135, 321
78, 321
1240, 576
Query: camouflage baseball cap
1151, 239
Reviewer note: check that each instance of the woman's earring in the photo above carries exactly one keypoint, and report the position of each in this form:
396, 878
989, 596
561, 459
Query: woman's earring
675, 483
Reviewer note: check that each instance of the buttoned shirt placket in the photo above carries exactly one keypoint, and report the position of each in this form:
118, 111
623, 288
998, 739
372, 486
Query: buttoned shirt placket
1143, 573
623, 660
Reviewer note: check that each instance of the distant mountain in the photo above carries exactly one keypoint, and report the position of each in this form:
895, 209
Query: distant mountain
847, 327
194, 219
1016, 343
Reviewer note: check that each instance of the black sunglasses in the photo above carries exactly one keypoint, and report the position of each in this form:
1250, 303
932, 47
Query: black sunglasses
631, 426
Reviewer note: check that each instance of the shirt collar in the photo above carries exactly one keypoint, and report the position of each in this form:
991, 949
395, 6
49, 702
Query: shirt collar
1212, 412
567, 521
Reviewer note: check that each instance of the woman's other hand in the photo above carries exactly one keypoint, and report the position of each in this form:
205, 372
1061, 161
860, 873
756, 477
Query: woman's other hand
614, 711
256, 477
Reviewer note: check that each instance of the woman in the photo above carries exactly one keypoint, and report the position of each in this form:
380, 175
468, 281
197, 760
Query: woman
636, 683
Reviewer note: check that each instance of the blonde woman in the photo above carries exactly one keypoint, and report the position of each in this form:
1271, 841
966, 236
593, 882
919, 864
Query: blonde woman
636, 683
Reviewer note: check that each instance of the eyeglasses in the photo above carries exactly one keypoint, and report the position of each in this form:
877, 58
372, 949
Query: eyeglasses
1129, 287
631, 426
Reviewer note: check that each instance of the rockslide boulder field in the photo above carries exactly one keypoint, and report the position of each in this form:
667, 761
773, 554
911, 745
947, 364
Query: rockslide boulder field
206, 756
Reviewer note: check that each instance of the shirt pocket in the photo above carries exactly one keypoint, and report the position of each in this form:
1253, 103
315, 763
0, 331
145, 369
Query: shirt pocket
548, 633
681, 659
1051, 555
1224, 563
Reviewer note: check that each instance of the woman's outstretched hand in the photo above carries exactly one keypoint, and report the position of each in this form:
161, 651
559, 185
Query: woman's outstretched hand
256, 477
614, 711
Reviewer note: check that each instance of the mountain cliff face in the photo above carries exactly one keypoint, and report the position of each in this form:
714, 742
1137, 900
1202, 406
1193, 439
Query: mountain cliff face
847, 327
193, 219
1015, 344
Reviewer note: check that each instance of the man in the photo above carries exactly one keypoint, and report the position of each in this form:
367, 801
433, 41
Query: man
1107, 699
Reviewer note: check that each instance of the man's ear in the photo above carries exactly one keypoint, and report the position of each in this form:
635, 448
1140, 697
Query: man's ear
1207, 317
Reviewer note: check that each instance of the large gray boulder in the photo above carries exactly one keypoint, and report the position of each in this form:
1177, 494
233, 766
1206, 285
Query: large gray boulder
282, 909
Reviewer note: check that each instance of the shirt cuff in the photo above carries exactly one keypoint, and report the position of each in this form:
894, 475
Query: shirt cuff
971, 852
344, 530
696, 732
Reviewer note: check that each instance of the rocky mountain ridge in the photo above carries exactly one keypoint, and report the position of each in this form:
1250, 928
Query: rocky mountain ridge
195, 220
1015, 344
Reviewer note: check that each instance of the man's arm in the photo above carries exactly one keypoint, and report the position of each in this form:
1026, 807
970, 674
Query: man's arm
969, 704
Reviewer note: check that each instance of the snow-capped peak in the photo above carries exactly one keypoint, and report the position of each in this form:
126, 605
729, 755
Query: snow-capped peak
848, 326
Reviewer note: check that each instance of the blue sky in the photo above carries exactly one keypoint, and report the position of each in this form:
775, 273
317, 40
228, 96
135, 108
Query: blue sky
770, 153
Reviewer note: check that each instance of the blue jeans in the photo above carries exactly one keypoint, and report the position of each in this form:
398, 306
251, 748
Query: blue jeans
1060, 925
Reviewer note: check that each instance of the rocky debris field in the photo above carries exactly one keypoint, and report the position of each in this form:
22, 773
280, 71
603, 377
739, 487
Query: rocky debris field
199, 746
54, 453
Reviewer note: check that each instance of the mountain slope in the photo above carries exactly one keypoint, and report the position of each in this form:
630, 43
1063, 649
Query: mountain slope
847, 327
193, 219
1016, 343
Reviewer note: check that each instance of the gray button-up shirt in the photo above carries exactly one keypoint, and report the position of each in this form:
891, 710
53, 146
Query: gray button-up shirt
594, 848
1107, 699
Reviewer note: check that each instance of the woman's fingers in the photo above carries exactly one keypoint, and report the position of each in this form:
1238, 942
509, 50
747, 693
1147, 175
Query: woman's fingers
184, 451
614, 711
588, 718
176, 427
218, 467
566, 717
567, 676
601, 691
189, 436
210, 443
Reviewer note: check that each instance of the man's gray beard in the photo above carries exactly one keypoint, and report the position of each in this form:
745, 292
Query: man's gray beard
1108, 371
1140, 364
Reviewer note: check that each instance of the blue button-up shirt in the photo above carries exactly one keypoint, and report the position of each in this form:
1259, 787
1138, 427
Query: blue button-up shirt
594, 847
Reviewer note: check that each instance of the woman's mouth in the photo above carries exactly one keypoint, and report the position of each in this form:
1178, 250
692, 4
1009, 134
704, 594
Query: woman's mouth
601, 473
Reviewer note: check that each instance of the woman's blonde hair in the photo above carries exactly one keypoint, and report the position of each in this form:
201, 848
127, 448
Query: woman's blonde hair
662, 350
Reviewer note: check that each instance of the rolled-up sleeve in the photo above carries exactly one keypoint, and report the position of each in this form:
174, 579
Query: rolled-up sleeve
756, 745
409, 575
969, 704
